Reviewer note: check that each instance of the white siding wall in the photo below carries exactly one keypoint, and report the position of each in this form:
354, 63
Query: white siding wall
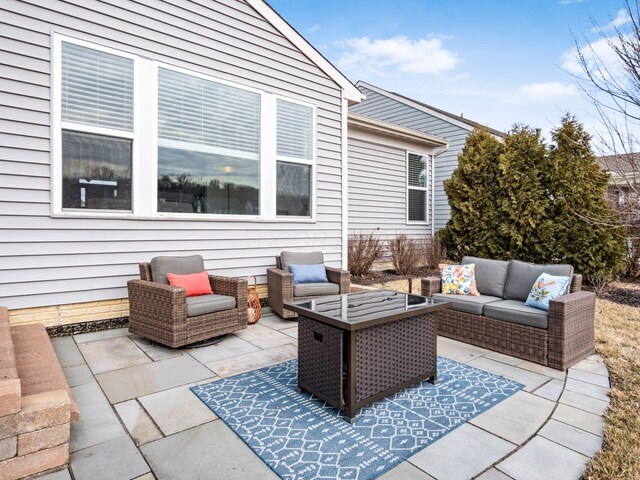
378, 190
51, 261
392, 111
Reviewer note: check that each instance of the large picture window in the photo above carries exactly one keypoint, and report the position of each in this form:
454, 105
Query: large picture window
417, 187
97, 129
208, 146
134, 137
294, 150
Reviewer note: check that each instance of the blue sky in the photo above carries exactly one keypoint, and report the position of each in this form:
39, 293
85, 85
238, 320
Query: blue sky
497, 62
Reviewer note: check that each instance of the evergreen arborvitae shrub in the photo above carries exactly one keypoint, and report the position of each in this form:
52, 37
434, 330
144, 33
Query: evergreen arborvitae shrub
588, 233
525, 206
472, 193
519, 199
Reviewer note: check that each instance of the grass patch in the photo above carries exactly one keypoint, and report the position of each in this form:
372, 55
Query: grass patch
618, 341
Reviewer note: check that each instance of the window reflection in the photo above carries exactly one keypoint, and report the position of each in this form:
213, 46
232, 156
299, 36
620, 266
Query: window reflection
294, 189
197, 182
96, 171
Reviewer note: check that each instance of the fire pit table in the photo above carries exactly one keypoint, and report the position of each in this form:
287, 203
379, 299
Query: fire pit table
357, 348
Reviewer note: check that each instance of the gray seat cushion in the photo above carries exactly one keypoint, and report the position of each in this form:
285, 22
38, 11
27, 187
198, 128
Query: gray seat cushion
203, 304
160, 266
315, 289
522, 275
491, 275
297, 258
468, 303
515, 311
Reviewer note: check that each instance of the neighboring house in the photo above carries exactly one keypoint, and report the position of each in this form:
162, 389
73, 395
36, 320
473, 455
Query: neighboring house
624, 180
135, 129
391, 185
397, 109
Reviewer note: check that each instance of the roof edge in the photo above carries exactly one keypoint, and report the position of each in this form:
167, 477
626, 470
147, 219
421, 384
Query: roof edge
441, 114
392, 129
350, 91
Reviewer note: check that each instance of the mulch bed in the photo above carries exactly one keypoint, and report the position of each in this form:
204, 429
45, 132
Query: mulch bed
618, 294
390, 276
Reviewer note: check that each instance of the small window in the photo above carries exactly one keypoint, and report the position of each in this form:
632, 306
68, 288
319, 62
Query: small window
417, 187
294, 166
208, 146
97, 129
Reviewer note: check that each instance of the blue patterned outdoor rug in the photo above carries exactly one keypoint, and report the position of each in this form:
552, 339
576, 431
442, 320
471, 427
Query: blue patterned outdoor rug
301, 437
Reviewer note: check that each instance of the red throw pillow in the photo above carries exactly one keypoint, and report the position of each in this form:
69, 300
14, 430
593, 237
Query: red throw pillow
195, 283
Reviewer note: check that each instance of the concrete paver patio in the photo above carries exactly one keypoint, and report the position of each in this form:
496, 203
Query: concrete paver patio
139, 419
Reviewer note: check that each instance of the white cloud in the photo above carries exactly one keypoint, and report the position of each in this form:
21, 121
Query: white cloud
539, 93
399, 54
314, 28
621, 19
441, 36
548, 91
597, 55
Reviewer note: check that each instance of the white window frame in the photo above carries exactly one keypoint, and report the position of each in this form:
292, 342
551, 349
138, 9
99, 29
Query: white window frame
301, 161
424, 189
58, 126
144, 181
264, 155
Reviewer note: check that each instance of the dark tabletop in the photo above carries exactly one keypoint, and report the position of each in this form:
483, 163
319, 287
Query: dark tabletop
354, 311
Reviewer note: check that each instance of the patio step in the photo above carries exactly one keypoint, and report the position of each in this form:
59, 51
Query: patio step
36, 405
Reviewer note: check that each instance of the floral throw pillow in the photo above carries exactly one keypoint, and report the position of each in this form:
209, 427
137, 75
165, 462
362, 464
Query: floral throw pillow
546, 288
458, 279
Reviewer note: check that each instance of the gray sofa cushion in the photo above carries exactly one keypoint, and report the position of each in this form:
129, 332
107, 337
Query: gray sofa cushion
160, 266
203, 304
468, 303
297, 258
315, 289
491, 275
515, 311
522, 275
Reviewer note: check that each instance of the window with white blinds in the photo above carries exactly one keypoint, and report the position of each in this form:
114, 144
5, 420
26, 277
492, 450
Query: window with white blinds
294, 130
96, 135
97, 88
294, 152
208, 146
417, 187
216, 148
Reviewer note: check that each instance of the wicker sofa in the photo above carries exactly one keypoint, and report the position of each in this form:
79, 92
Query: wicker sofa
499, 320
164, 314
280, 285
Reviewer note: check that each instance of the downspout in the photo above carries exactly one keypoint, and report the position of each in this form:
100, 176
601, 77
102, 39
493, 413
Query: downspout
433, 188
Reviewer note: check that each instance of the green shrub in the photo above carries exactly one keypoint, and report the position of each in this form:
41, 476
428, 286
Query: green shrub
520, 199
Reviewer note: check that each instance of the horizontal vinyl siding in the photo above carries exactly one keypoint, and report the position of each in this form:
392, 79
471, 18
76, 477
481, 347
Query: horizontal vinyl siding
51, 261
390, 110
377, 191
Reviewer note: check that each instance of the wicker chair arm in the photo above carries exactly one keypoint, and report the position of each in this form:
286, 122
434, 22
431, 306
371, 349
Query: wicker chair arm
430, 286
156, 299
233, 287
576, 283
280, 286
571, 329
341, 277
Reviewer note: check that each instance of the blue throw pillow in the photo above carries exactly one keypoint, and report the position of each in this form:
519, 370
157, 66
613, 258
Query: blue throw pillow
309, 273
546, 288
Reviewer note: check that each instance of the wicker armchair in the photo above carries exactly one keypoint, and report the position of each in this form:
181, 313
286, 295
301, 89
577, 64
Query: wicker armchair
568, 338
280, 281
159, 311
